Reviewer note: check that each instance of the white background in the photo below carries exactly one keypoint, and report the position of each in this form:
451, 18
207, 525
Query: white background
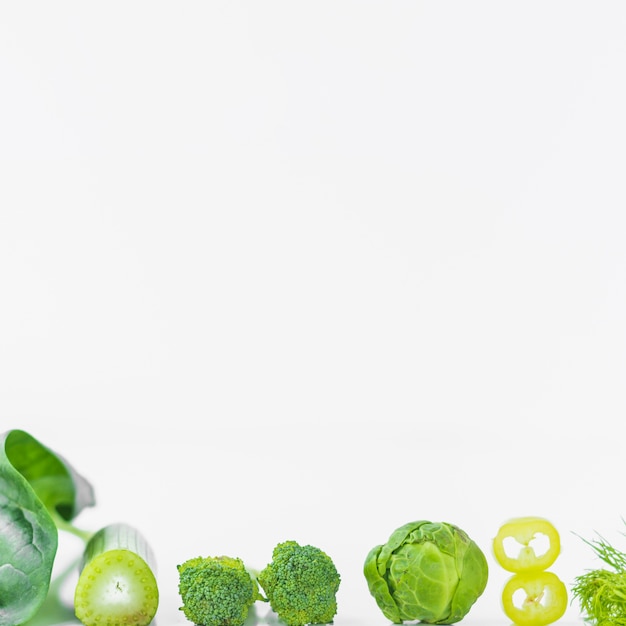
312, 270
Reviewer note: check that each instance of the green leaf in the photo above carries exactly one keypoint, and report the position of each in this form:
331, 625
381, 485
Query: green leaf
38, 491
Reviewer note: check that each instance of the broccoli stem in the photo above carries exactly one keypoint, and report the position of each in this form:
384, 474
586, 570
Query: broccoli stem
117, 584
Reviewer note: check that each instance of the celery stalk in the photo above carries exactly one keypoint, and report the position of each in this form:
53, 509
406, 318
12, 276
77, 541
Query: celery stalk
117, 584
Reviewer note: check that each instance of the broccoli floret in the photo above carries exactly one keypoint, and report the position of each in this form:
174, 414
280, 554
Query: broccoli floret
216, 591
301, 584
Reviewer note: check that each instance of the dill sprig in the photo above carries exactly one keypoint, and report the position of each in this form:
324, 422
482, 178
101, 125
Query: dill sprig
602, 592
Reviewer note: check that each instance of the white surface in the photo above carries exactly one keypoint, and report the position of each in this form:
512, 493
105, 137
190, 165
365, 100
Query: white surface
312, 270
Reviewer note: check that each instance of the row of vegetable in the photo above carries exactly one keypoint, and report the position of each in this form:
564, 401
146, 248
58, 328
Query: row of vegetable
426, 571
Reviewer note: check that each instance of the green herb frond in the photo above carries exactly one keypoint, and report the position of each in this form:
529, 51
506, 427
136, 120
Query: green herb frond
608, 553
602, 597
602, 592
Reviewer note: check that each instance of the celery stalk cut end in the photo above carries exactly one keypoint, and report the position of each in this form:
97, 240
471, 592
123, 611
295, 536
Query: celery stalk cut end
116, 588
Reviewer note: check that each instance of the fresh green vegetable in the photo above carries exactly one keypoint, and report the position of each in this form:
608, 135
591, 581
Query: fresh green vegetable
216, 591
602, 592
544, 598
301, 584
532, 596
117, 584
524, 530
427, 571
39, 492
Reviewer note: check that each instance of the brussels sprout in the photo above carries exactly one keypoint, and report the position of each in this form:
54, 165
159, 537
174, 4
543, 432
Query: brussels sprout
427, 571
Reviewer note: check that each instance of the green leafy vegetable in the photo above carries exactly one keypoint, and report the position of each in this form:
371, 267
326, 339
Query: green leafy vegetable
427, 571
301, 584
39, 491
602, 592
117, 585
217, 591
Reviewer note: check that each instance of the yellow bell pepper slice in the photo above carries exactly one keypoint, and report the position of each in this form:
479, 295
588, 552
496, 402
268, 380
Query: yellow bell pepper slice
545, 602
524, 530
